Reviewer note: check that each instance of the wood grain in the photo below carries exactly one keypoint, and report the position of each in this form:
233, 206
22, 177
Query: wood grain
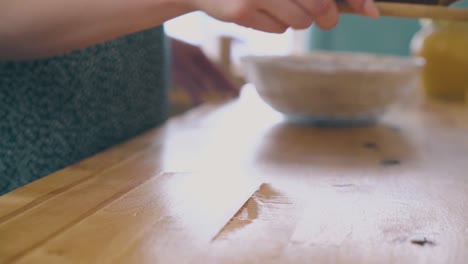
47, 220
38, 192
233, 183
150, 221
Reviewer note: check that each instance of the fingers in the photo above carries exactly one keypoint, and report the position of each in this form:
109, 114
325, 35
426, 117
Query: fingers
265, 22
289, 13
300, 14
365, 7
275, 16
330, 17
247, 13
325, 12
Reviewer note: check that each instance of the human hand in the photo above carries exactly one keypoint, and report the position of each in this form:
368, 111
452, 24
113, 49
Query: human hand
276, 16
195, 78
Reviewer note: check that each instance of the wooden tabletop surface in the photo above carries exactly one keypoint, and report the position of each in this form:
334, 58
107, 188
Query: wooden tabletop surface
233, 183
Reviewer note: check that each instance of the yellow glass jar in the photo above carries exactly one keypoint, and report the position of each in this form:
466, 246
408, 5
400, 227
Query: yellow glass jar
444, 46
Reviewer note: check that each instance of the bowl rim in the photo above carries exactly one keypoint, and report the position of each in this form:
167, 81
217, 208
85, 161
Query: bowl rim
402, 63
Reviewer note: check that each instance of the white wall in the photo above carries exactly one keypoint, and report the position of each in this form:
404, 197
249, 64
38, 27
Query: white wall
200, 29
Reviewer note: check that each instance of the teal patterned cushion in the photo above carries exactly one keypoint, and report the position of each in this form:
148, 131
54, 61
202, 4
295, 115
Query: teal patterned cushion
57, 111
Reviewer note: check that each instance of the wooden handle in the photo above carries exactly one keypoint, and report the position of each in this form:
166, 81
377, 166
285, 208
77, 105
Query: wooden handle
414, 11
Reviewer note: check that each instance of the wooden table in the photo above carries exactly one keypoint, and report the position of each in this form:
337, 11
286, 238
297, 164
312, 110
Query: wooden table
233, 183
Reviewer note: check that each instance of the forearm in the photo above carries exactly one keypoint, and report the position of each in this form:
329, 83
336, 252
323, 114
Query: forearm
35, 29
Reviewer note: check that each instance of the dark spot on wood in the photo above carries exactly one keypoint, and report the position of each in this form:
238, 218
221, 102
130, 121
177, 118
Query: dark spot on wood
390, 162
423, 242
344, 185
395, 129
400, 240
371, 145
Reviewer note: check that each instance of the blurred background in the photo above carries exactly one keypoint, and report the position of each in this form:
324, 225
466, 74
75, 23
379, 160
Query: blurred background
225, 43
442, 44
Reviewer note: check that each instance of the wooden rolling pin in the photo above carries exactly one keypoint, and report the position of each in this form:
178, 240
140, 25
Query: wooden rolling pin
415, 9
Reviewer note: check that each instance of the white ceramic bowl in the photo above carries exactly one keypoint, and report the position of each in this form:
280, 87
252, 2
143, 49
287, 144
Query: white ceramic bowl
333, 87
